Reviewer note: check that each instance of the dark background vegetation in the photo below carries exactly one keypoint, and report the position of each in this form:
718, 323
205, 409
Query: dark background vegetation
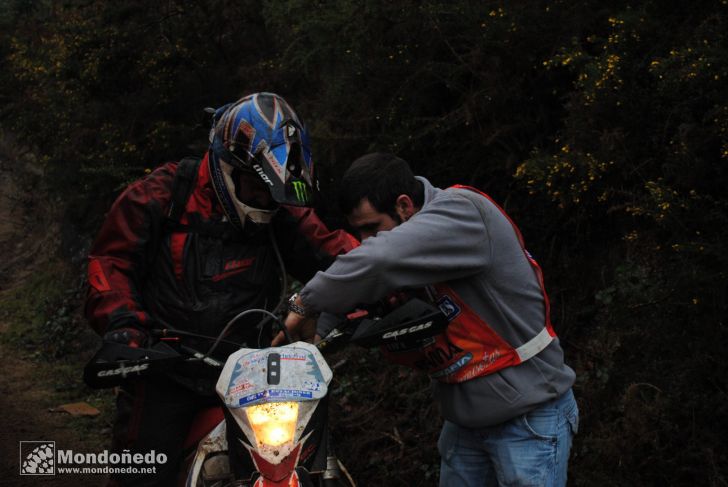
602, 127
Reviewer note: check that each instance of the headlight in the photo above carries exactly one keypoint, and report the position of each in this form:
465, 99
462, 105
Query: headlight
273, 423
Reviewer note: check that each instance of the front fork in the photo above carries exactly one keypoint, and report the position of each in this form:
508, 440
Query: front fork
330, 473
224, 455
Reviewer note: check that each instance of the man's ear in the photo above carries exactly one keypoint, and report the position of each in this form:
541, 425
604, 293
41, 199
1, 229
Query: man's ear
405, 207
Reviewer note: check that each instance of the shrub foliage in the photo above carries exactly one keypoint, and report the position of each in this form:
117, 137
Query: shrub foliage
602, 128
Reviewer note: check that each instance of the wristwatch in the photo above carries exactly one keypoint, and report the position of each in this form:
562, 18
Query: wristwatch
294, 307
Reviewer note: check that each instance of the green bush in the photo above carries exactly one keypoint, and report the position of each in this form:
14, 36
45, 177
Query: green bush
602, 128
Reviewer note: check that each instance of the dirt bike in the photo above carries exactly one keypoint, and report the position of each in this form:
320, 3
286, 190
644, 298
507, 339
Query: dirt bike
272, 429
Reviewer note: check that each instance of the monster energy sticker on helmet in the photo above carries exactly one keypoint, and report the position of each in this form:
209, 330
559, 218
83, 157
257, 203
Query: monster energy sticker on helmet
301, 191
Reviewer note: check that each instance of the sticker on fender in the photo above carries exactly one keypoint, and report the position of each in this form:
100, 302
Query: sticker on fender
275, 374
290, 394
277, 394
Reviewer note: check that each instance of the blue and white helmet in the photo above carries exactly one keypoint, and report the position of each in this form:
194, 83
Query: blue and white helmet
261, 133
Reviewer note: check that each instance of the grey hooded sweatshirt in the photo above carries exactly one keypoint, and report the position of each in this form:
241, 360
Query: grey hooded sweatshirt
461, 239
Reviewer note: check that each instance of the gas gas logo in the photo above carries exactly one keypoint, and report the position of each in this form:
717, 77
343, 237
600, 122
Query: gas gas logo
407, 331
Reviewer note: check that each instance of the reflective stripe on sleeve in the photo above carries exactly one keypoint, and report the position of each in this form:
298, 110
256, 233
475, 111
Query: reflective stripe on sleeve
532, 347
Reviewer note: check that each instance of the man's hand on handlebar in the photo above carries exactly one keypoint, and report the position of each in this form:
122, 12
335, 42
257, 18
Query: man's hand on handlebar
300, 324
299, 327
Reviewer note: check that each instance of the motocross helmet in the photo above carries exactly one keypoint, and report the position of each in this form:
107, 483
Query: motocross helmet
261, 133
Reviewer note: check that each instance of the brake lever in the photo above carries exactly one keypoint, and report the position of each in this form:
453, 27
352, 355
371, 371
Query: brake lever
163, 334
199, 356
352, 320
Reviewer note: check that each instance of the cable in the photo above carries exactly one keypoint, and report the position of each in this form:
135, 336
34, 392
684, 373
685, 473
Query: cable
282, 267
284, 289
174, 332
262, 323
231, 322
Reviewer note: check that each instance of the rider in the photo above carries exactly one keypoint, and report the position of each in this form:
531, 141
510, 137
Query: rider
498, 370
191, 248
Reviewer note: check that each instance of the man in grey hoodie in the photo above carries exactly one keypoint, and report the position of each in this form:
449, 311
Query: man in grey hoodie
498, 369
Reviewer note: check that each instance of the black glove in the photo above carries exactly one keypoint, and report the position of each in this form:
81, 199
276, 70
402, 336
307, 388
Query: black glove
129, 336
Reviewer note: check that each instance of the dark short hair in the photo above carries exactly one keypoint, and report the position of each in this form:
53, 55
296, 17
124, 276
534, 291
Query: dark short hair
380, 177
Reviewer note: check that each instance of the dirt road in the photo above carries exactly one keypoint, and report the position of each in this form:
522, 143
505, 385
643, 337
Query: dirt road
29, 385
26, 395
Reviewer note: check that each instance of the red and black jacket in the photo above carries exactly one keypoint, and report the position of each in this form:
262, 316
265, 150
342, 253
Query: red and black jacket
196, 273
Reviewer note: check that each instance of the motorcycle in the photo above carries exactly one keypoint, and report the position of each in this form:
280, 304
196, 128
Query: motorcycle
272, 428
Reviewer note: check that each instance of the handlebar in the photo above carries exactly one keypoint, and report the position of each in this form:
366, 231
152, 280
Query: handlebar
412, 322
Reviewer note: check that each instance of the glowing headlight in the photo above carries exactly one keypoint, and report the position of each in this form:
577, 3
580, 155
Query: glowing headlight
273, 423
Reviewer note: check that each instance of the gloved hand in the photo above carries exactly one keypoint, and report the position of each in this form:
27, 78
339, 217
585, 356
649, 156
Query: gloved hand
130, 336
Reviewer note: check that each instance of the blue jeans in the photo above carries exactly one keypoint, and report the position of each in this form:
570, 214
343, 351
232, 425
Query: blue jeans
529, 450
